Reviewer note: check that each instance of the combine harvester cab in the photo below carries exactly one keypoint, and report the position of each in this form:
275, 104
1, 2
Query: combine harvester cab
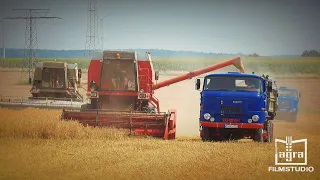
288, 104
55, 85
56, 80
121, 91
236, 105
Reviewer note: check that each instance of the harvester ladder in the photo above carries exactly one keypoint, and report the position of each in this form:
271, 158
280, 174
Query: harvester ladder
145, 78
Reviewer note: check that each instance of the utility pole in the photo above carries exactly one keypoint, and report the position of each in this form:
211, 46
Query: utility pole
3, 40
30, 58
92, 30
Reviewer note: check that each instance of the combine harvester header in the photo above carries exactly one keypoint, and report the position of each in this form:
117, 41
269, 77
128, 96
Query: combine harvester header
121, 92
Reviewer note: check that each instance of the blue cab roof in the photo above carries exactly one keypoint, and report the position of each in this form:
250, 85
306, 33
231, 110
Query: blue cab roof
239, 74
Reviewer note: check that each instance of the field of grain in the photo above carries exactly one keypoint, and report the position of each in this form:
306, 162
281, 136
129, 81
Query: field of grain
34, 144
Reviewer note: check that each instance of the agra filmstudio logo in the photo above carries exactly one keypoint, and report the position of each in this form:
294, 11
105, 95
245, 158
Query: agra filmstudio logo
290, 156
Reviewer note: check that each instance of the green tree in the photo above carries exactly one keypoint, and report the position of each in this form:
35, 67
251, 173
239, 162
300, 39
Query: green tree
253, 55
310, 53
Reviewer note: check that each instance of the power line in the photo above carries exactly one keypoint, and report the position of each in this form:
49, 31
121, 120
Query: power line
30, 57
92, 30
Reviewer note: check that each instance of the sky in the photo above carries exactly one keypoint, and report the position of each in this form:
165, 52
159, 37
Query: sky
272, 27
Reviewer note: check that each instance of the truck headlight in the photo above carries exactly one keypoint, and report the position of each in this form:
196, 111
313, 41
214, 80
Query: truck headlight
207, 116
212, 119
255, 118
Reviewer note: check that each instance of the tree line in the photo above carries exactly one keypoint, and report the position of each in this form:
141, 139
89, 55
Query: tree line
310, 53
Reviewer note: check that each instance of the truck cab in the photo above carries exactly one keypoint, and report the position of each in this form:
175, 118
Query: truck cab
288, 104
235, 105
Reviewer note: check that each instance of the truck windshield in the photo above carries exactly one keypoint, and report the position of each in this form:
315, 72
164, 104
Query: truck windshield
53, 78
287, 93
233, 83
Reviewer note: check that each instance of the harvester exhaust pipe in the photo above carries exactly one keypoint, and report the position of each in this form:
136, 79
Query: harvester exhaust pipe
235, 61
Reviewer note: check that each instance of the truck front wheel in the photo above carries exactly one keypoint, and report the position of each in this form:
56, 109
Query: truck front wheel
206, 134
258, 135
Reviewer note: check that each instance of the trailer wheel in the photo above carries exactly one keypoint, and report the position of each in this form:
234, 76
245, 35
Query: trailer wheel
206, 134
258, 135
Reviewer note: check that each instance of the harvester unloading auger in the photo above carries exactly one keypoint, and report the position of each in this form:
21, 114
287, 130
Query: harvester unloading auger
121, 92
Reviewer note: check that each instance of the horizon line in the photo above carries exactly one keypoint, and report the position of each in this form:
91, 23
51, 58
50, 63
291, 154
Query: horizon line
201, 52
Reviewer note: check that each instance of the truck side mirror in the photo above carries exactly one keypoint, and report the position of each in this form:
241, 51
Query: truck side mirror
156, 75
198, 82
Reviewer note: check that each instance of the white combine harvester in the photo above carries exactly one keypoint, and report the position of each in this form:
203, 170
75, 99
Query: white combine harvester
55, 85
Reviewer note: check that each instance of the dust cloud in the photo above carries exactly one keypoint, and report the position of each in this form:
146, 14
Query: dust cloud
183, 97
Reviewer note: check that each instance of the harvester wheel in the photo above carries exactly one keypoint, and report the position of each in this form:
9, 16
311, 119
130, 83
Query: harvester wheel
206, 134
258, 135
94, 104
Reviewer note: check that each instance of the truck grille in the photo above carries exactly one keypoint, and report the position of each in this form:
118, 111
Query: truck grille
231, 109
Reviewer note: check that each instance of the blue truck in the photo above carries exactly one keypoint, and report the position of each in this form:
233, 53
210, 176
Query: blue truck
288, 104
236, 105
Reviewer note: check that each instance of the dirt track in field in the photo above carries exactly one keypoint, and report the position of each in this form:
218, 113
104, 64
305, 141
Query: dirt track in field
183, 97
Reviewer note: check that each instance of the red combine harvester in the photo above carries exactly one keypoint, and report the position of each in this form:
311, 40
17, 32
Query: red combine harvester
121, 92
